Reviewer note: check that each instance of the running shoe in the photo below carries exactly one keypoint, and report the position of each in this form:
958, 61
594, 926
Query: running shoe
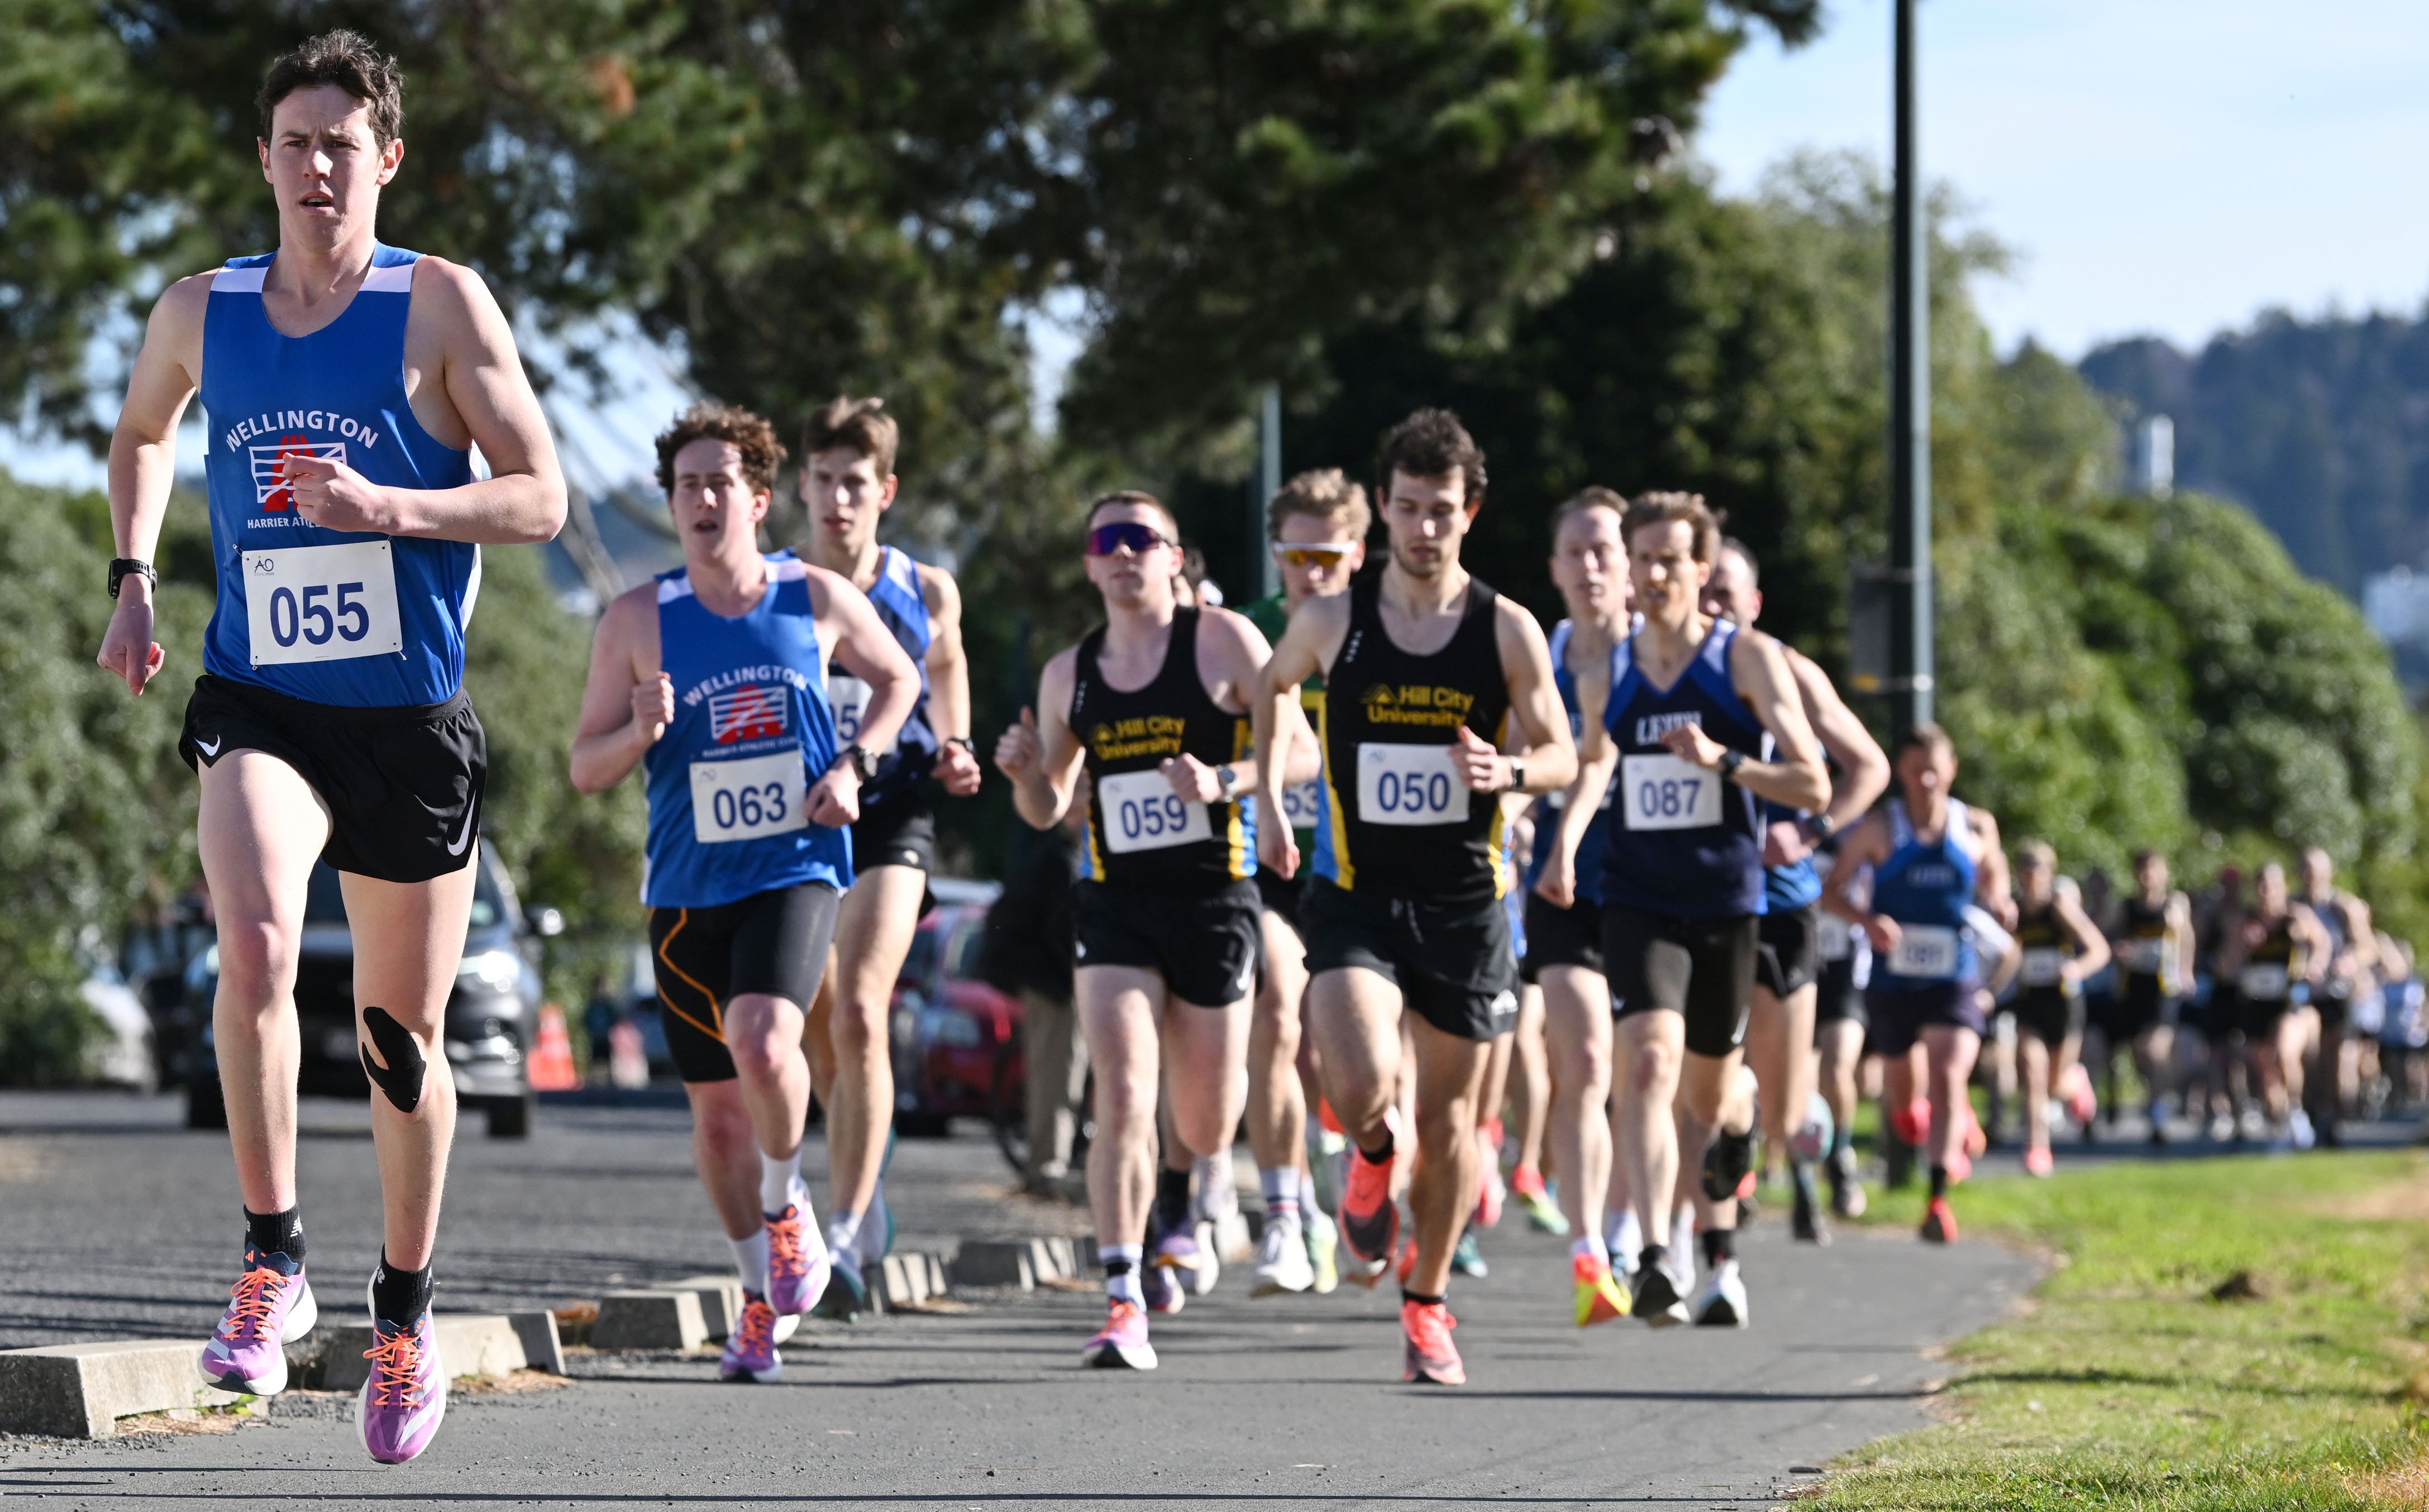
2299, 1125
1940, 1223
1174, 1249
1209, 1259
1600, 1294
1976, 1142
2082, 1103
2157, 1114
1370, 1221
1466, 1259
1430, 1357
1321, 1234
2222, 1128
270, 1306
2038, 1161
1282, 1263
1163, 1290
750, 1348
1805, 1222
1535, 1200
796, 1274
1728, 1165
846, 1296
875, 1239
405, 1396
1911, 1123
1846, 1186
1121, 1344
1682, 1253
1623, 1235
1657, 1300
1364, 1273
1721, 1300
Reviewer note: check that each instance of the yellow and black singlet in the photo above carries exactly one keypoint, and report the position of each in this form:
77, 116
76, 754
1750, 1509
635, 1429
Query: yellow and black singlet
1140, 833
2047, 945
1397, 820
2275, 967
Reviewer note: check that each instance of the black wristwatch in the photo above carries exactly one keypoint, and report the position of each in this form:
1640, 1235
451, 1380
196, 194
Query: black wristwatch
864, 761
121, 567
1228, 780
1819, 828
1730, 760
965, 742
1517, 775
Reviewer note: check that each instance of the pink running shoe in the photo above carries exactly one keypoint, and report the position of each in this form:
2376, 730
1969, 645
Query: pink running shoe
796, 1277
406, 1393
750, 1349
1122, 1342
270, 1306
2082, 1104
2037, 1161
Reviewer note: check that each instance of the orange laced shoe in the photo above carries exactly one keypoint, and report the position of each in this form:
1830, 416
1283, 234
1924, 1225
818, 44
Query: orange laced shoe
1430, 1356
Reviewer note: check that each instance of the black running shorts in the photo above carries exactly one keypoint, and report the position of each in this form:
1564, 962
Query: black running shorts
1789, 953
2048, 1014
772, 943
1204, 944
1557, 936
1839, 1000
1451, 961
1900, 1015
898, 833
2223, 1020
1700, 968
2138, 1007
403, 785
1280, 895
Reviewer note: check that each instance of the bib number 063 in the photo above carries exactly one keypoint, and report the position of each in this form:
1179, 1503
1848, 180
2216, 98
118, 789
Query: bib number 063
750, 800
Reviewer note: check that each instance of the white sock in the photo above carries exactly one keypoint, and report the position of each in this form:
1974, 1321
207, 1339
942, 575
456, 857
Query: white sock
751, 1258
1592, 1244
841, 1230
1307, 1201
1126, 1285
1623, 1234
1282, 1195
1215, 1189
780, 1184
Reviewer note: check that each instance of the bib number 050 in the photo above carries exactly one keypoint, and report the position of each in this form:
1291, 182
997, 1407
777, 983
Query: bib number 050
1409, 784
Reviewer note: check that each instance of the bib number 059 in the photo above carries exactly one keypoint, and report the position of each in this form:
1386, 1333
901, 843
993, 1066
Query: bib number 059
1142, 813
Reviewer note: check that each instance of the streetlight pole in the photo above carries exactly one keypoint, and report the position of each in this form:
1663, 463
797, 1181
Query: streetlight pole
1264, 579
1909, 683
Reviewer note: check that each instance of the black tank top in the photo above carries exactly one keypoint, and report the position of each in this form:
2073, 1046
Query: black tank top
2274, 965
1397, 820
1140, 834
2046, 944
2142, 944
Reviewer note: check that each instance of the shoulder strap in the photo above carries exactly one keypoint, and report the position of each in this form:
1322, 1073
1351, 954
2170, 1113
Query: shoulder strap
1084, 671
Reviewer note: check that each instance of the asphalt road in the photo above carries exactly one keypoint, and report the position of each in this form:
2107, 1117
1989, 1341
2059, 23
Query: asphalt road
118, 1224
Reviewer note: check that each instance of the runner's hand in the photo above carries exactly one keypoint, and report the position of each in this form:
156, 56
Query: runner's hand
1191, 779
1783, 843
1883, 932
1477, 764
1278, 850
130, 630
835, 798
653, 706
1016, 752
1690, 744
335, 496
957, 767
1558, 886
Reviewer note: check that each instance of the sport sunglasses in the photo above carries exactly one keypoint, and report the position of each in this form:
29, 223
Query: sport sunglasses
1318, 553
1106, 539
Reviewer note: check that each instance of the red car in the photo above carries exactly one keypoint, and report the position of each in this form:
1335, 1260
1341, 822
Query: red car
956, 1040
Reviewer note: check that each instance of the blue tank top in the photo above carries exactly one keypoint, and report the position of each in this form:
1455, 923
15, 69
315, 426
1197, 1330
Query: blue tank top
1589, 844
903, 610
355, 618
1683, 841
1927, 889
1797, 884
729, 780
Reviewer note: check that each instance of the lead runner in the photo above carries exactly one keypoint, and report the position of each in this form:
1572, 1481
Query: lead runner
345, 383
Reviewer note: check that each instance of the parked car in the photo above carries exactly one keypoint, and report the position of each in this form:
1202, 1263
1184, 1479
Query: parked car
956, 1040
493, 1012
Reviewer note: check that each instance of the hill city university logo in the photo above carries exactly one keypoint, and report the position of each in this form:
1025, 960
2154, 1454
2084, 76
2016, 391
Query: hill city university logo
754, 712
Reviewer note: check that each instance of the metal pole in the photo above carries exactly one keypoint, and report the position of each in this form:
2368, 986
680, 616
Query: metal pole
1911, 652
1264, 578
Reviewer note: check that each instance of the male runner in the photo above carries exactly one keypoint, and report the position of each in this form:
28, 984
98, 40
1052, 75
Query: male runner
1788, 964
1154, 704
346, 382
2060, 946
1689, 713
2216, 916
847, 484
2153, 945
1932, 858
717, 677
1318, 525
2279, 949
1425, 670
2349, 975
1838, 1028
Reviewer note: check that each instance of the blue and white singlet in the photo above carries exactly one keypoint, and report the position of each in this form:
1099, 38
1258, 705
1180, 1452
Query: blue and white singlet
1927, 889
729, 780
1591, 845
903, 609
354, 618
1685, 841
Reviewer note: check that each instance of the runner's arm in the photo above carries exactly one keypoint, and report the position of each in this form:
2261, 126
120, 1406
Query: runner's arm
949, 684
1597, 758
1868, 846
867, 649
1042, 756
1230, 652
143, 464
2090, 945
1992, 885
627, 702
1535, 715
1863, 769
1797, 780
1307, 646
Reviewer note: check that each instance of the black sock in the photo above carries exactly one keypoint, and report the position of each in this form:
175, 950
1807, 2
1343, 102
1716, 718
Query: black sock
1172, 1199
1939, 1181
398, 1296
1719, 1244
1800, 1178
1382, 1156
1649, 1258
279, 1233
1419, 1298
1118, 1266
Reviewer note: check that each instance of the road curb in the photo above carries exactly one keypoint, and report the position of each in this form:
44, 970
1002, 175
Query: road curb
469, 1343
82, 1390
662, 1319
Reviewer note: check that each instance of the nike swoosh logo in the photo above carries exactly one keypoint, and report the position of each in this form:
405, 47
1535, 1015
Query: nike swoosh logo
464, 835
213, 748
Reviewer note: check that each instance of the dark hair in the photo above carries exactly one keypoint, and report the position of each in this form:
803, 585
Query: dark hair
1141, 498
1322, 493
751, 435
1431, 443
348, 61
1652, 509
1745, 554
1924, 736
861, 424
1593, 496
2145, 856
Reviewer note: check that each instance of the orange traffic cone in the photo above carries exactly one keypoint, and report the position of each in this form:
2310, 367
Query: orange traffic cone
551, 1059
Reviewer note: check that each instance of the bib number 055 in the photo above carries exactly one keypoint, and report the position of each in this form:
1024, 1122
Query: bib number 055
322, 603
750, 800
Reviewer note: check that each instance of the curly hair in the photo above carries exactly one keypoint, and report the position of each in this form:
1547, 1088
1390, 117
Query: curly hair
352, 62
750, 434
1431, 443
1321, 493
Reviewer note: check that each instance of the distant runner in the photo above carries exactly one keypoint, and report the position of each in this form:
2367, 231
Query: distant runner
2061, 946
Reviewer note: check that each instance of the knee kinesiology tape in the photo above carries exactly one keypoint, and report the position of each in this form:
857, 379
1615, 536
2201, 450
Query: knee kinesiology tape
401, 1078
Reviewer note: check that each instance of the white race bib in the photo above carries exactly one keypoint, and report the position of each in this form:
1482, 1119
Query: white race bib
322, 603
2263, 981
1302, 805
2044, 966
1142, 813
750, 800
2141, 957
1666, 792
849, 697
1838, 938
1409, 785
1926, 951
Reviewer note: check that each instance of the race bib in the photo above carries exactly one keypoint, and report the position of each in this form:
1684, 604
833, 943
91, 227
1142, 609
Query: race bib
2263, 980
849, 697
750, 800
1142, 813
1928, 951
322, 603
1838, 938
1666, 792
1302, 805
1409, 785
2044, 966
2143, 958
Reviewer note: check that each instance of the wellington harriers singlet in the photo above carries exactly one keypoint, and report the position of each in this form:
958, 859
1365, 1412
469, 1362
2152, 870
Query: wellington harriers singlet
1141, 834
903, 610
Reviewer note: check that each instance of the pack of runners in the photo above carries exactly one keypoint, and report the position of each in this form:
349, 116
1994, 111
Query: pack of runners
1363, 863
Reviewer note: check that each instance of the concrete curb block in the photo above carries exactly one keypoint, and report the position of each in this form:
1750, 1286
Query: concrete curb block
648, 1320
720, 1301
82, 1390
469, 1343
903, 1280
543, 1350
1015, 1263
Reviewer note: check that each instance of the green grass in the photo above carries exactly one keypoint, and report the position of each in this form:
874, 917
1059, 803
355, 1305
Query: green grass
2128, 1386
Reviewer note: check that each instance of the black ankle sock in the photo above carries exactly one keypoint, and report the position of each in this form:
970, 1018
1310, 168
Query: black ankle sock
1381, 1155
1419, 1298
280, 1233
398, 1296
1172, 1199
1719, 1244
1651, 1257
1120, 1267
1939, 1181
1800, 1178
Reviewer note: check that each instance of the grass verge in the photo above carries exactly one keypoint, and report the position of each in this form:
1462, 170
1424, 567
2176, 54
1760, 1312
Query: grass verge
2230, 1334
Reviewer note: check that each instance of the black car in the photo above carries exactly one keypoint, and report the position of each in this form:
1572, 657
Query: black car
491, 1014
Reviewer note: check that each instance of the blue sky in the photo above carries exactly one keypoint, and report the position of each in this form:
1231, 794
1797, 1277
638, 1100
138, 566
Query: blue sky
2163, 166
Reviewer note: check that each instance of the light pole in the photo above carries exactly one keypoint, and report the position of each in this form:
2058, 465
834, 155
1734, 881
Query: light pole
1265, 580
1909, 682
